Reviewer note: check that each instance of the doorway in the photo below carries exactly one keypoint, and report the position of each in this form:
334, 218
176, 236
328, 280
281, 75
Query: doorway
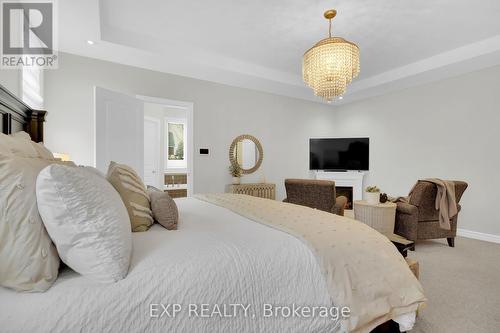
174, 148
152, 135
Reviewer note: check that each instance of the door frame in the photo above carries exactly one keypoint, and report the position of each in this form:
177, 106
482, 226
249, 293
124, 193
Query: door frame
159, 176
189, 108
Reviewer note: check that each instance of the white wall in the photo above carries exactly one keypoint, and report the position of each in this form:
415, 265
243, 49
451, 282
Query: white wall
10, 79
448, 129
282, 124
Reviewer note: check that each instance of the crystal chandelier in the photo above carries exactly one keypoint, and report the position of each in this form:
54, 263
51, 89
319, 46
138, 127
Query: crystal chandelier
330, 65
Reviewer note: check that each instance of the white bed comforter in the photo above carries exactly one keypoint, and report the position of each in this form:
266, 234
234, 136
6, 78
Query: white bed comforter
216, 257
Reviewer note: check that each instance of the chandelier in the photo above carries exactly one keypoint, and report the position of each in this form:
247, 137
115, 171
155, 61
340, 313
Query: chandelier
330, 65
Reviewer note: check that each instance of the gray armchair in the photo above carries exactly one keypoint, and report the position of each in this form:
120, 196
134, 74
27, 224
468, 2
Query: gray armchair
319, 194
418, 219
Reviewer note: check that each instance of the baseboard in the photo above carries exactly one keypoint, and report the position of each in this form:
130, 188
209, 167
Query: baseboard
478, 235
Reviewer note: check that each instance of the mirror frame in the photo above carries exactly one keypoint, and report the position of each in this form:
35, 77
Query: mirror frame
257, 145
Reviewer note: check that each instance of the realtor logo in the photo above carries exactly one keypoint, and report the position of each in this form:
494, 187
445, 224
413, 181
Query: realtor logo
28, 34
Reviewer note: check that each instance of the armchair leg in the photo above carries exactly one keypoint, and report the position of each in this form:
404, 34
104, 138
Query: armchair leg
451, 241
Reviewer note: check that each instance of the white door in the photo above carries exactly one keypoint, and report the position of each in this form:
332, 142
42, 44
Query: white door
119, 130
152, 152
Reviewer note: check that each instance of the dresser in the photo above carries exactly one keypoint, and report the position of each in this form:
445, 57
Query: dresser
175, 184
261, 190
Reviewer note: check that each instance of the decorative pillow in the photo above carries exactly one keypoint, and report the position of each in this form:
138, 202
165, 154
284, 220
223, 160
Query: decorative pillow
86, 219
18, 144
164, 209
28, 259
133, 193
42, 151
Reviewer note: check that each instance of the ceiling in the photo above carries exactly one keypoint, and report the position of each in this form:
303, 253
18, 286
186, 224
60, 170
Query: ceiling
259, 44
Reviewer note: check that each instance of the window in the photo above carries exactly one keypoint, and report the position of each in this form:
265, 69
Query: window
32, 86
176, 143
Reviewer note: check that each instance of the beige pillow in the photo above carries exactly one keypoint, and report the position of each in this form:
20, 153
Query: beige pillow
133, 193
164, 209
17, 144
28, 259
20, 144
42, 151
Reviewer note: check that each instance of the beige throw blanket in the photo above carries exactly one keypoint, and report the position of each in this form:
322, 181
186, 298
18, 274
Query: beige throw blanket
445, 200
362, 268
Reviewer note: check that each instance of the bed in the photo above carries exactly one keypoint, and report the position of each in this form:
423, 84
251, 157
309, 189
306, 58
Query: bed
210, 259
220, 271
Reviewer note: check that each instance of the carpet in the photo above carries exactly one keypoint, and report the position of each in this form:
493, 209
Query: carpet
462, 285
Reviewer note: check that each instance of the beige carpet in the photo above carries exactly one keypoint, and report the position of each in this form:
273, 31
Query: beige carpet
462, 285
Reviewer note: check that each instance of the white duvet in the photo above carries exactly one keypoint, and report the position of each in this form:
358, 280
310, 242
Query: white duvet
216, 258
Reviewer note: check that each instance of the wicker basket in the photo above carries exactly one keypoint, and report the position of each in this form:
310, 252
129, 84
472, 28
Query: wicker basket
380, 217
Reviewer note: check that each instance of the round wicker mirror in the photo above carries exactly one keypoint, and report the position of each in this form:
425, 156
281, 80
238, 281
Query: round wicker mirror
246, 152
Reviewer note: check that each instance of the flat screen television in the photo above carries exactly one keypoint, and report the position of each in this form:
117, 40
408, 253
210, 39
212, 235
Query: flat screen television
339, 154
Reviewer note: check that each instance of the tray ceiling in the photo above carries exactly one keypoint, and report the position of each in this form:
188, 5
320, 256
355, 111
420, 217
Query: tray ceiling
259, 44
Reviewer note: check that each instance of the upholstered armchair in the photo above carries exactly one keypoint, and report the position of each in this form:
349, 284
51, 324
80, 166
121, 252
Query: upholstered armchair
319, 194
418, 219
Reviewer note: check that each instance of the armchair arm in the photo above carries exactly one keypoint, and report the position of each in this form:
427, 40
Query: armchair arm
406, 221
339, 206
406, 208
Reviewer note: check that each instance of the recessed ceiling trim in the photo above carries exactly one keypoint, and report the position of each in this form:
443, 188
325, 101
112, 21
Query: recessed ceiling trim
448, 64
458, 55
83, 21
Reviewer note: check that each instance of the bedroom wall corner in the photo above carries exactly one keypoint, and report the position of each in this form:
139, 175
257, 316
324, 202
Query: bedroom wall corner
447, 129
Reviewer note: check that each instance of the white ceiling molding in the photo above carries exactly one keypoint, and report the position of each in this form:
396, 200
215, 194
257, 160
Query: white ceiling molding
473, 57
82, 21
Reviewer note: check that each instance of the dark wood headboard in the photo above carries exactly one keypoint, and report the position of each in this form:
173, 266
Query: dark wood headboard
17, 116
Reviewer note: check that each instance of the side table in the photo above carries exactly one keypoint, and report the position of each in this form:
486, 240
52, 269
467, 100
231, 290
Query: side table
380, 217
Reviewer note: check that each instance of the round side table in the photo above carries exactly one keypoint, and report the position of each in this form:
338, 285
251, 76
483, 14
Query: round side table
380, 217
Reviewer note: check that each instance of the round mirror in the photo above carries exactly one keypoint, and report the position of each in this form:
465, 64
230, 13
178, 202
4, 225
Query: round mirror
246, 152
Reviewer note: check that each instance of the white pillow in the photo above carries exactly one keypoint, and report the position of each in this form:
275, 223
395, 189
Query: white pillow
93, 170
87, 220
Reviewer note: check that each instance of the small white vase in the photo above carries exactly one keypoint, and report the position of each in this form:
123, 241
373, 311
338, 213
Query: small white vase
372, 198
236, 180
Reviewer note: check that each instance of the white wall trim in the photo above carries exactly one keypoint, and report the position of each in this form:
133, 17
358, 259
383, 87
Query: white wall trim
478, 235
